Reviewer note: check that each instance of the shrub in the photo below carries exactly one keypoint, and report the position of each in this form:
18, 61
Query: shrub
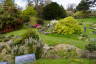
9, 21
91, 46
10, 17
81, 14
68, 26
35, 20
53, 11
40, 21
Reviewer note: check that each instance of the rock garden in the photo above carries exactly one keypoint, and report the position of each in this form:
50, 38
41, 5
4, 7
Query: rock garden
45, 33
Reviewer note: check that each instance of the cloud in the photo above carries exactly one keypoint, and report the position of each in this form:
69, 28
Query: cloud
21, 3
65, 3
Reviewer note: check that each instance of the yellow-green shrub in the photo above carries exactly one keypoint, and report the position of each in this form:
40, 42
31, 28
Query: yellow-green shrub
68, 26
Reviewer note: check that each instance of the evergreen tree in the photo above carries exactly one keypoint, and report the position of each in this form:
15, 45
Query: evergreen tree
83, 5
53, 11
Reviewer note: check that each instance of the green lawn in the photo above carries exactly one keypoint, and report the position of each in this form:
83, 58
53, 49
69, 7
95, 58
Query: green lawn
53, 39
88, 20
17, 32
64, 61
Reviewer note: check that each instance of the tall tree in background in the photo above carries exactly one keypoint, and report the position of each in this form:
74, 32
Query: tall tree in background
39, 5
92, 3
9, 2
83, 5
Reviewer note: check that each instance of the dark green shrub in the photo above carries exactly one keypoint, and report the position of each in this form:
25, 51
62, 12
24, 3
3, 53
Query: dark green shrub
91, 47
40, 21
53, 11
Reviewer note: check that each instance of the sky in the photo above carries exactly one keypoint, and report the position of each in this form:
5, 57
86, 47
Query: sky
64, 3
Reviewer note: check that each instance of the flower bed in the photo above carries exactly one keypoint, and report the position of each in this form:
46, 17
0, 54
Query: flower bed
27, 42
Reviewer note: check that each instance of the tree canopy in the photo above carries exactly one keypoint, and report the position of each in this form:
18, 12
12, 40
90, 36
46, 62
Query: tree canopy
53, 11
83, 5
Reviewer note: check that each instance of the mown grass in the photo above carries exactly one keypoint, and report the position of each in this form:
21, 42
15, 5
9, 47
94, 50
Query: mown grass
17, 32
64, 61
53, 39
88, 20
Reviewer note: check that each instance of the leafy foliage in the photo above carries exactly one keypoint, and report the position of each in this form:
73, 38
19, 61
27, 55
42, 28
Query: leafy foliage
53, 11
81, 14
9, 17
68, 26
91, 47
29, 12
83, 5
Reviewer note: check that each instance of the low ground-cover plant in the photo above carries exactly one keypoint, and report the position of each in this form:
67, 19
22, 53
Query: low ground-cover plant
68, 26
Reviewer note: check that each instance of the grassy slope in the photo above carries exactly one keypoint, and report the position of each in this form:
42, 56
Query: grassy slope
16, 33
53, 39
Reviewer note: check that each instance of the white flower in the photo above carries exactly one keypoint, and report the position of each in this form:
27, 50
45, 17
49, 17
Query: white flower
53, 22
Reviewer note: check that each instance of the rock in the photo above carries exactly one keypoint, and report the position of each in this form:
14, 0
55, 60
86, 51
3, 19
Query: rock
89, 55
25, 58
52, 51
47, 33
1, 46
94, 25
10, 42
65, 47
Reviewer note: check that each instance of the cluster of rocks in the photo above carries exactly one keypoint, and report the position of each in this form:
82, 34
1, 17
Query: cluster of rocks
52, 51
